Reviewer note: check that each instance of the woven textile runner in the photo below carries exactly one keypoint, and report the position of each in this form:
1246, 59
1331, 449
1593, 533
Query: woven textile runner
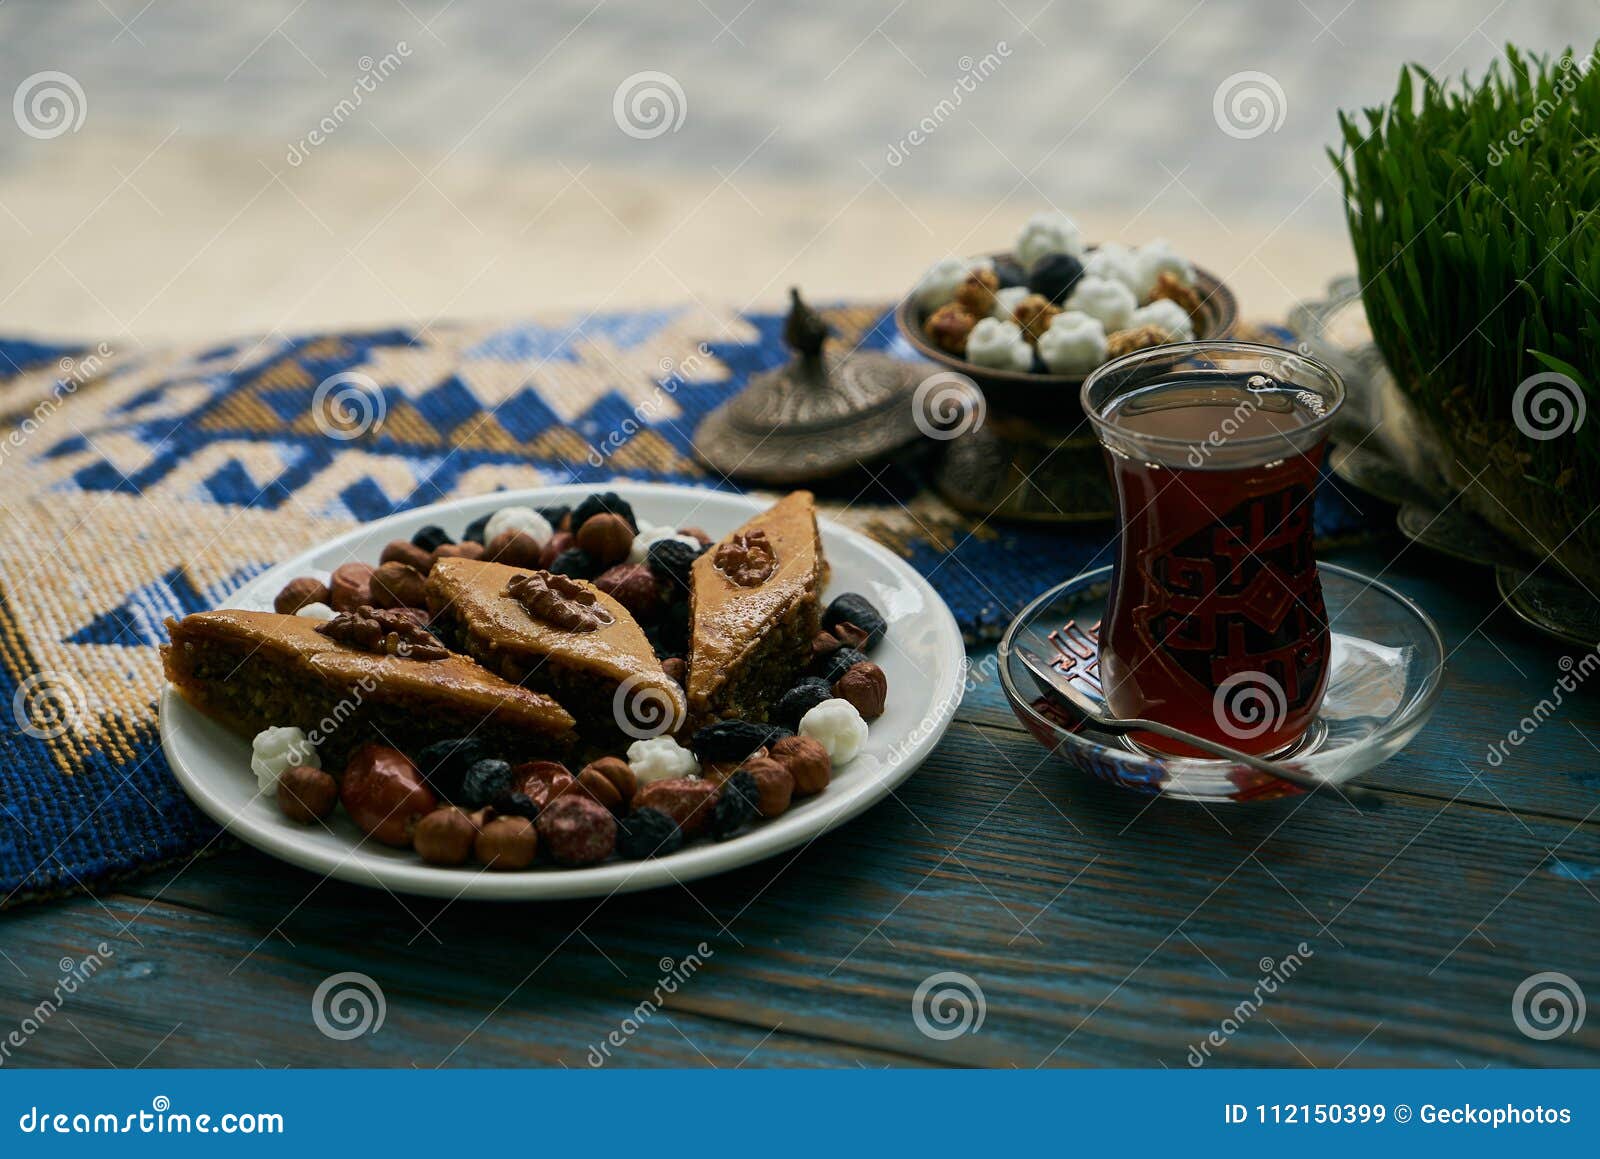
135, 485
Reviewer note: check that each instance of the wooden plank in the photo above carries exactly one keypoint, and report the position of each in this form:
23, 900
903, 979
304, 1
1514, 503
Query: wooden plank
1099, 931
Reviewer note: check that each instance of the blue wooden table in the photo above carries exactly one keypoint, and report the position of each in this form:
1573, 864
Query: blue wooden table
1088, 925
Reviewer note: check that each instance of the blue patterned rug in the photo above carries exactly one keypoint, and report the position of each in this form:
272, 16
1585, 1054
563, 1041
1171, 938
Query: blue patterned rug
153, 483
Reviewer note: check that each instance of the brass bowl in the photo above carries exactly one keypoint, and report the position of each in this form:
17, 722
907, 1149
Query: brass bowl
1033, 458
1053, 398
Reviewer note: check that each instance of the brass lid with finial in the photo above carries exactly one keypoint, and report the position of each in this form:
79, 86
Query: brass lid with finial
821, 414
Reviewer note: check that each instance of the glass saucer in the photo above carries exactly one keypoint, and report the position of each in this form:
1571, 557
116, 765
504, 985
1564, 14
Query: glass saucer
1387, 664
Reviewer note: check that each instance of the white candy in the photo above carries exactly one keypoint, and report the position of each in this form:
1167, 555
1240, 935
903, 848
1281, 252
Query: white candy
836, 726
940, 283
1048, 233
1075, 343
1167, 316
316, 611
275, 749
999, 345
518, 518
648, 535
1113, 261
1110, 302
1007, 300
1156, 259
660, 759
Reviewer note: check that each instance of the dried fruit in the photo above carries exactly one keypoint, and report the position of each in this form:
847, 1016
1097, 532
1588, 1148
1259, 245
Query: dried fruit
404, 551
671, 560
852, 636
607, 538
801, 699
557, 517
516, 804
733, 740
1009, 273
445, 836
542, 781
575, 830
474, 531
775, 783
507, 843
634, 587
514, 549
607, 501
431, 538
949, 327
854, 608
865, 687
385, 794
297, 593
554, 546
807, 761
686, 800
836, 664
398, 585
574, 562
306, 794
444, 763
609, 781
1054, 276
738, 804
350, 587
647, 833
486, 782
676, 668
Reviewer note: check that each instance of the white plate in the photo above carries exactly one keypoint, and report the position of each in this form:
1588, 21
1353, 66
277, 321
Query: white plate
922, 656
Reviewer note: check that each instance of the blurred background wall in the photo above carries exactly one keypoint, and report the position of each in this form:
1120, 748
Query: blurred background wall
176, 168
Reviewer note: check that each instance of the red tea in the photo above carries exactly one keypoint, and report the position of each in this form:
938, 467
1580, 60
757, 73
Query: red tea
1216, 623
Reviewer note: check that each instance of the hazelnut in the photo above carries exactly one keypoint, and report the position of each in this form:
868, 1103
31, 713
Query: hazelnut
446, 836
610, 781
467, 550
687, 801
297, 593
807, 761
306, 794
397, 585
606, 537
865, 686
948, 327
775, 783
976, 294
676, 668
633, 585
514, 549
1034, 314
350, 587
577, 831
404, 551
507, 843
554, 546
542, 781
696, 533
